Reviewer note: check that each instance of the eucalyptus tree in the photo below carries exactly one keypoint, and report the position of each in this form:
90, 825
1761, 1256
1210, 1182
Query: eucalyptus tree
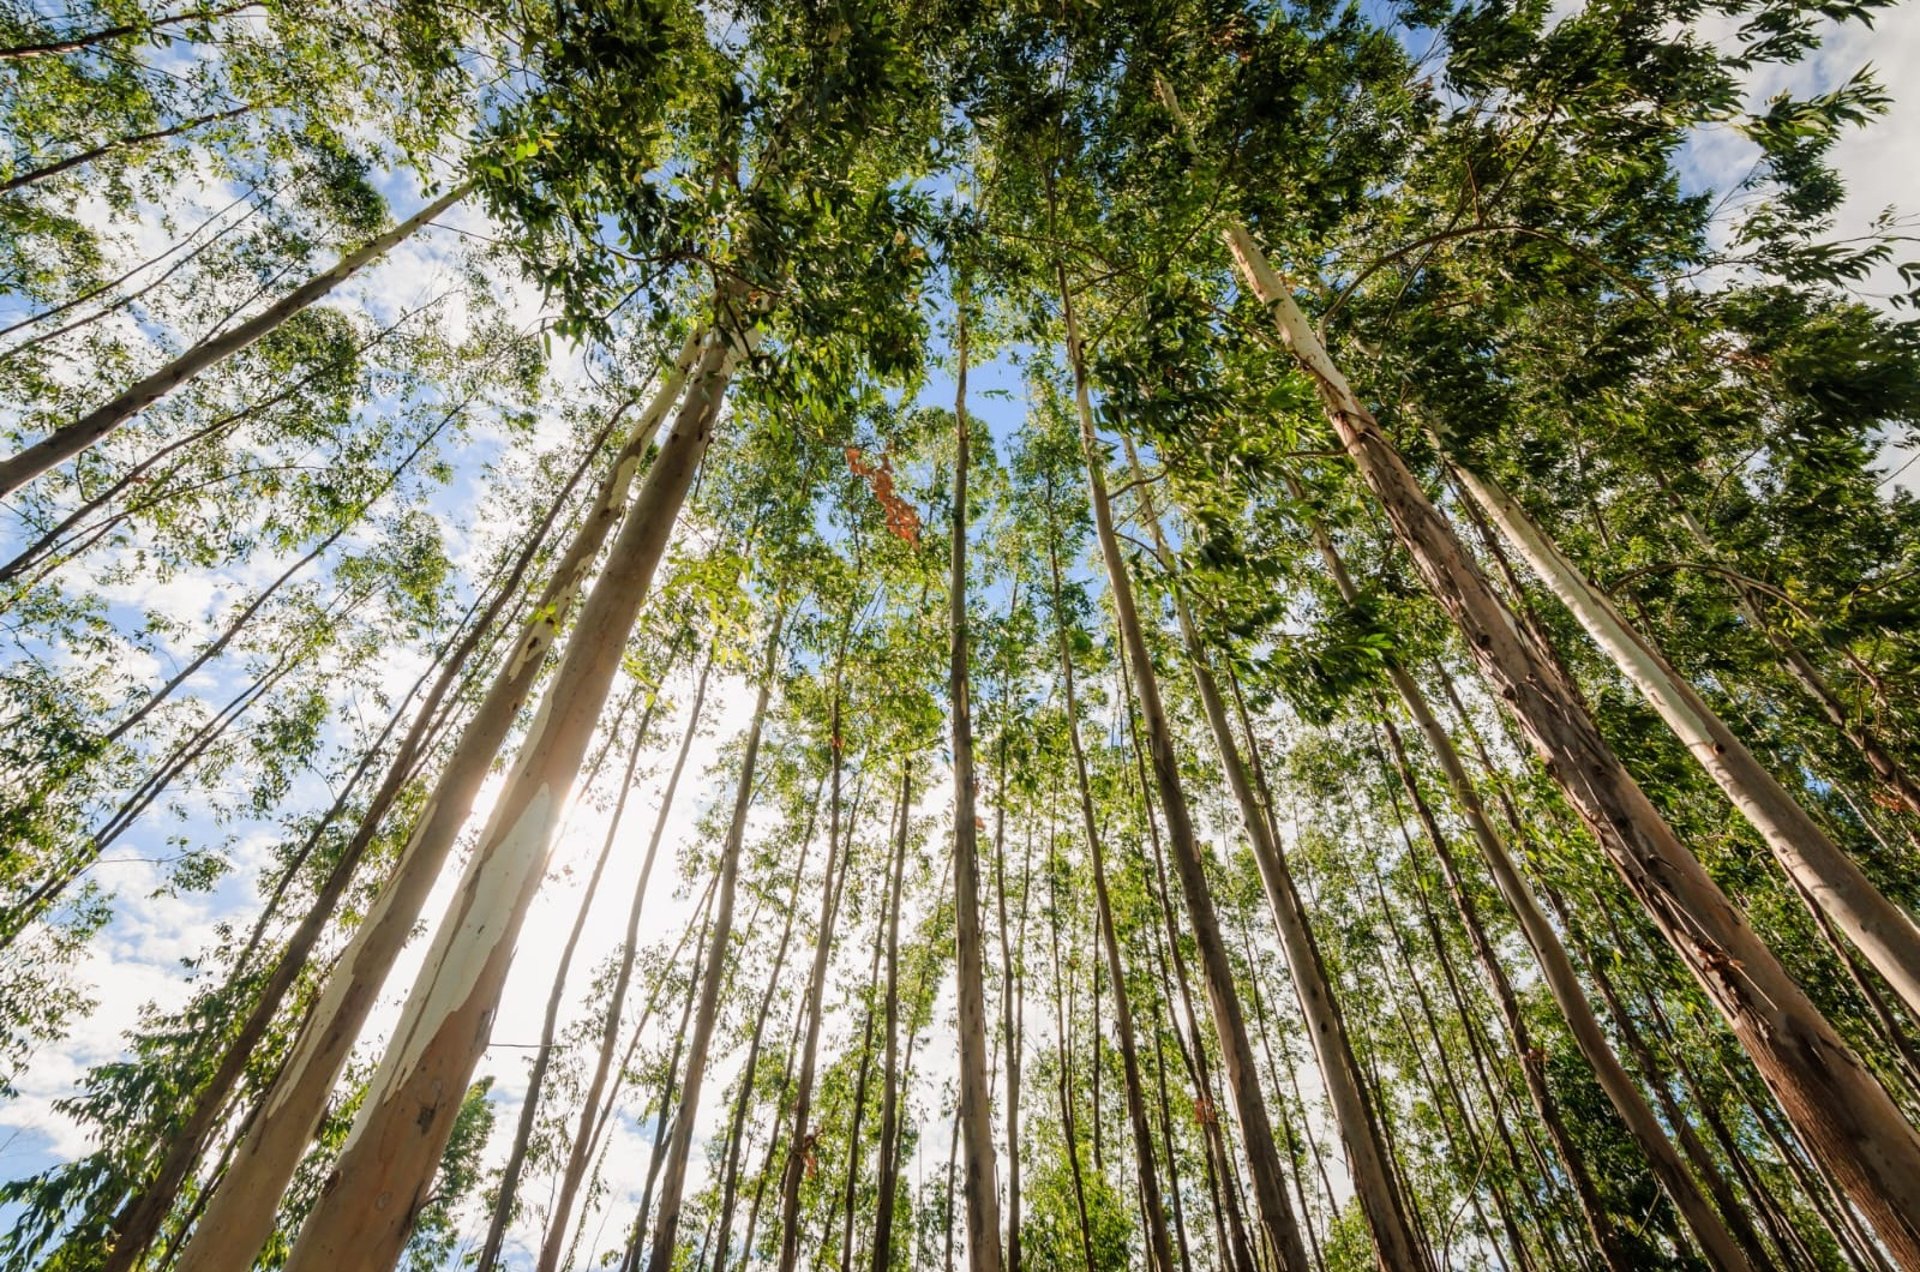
1159, 1244
663, 1245
270, 987
1835, 1104
259, 96
236, 1218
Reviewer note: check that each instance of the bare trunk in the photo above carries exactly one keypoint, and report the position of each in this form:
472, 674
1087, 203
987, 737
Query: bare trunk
1882, 931
800, 1146
1011, 1000
239, 1217
976, 1096
69, 440
660, 1256
863, 1074
1167, 1146
888, 1174
1533, 1061
1277, 1220
1394, 1242
1477, 1148
669, 1086
1836, 1106
736, 1132
773, 1152
1159, 1248
1651, 1072
1063, 1070
578, 1152
366, 1211
1295, 1158
1719, 1245
1232, 1232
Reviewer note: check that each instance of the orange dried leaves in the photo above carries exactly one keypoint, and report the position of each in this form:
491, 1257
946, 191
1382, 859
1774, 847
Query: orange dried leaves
903, 521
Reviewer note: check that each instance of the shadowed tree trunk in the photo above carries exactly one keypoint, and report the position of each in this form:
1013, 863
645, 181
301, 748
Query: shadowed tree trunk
1836, 1106
1720, 1246
1277, 1221
1012, 1000
1230, 1230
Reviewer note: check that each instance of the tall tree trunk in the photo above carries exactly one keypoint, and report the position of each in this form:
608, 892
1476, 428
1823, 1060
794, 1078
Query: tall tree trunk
736, 1131
1718, 1244
73, 161
1477, 1148
1835, 1104
1277, 1220
1167, 1146
1652, 1074
660, 1257
1556, 968
1012, 997
1159, 1248
556, 994
1093, 1044
976, 1097
888, 1174
863, 1074
773, 1144
1882, 931
239, 1217
1063, 1067
1193, 1055
139, 1220
669, 1087
800, 1144
387, 1165
581, 1148
1295, 1157
1533, 1060
70, 439
603, 1116
1380, 1198
1492, 1076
